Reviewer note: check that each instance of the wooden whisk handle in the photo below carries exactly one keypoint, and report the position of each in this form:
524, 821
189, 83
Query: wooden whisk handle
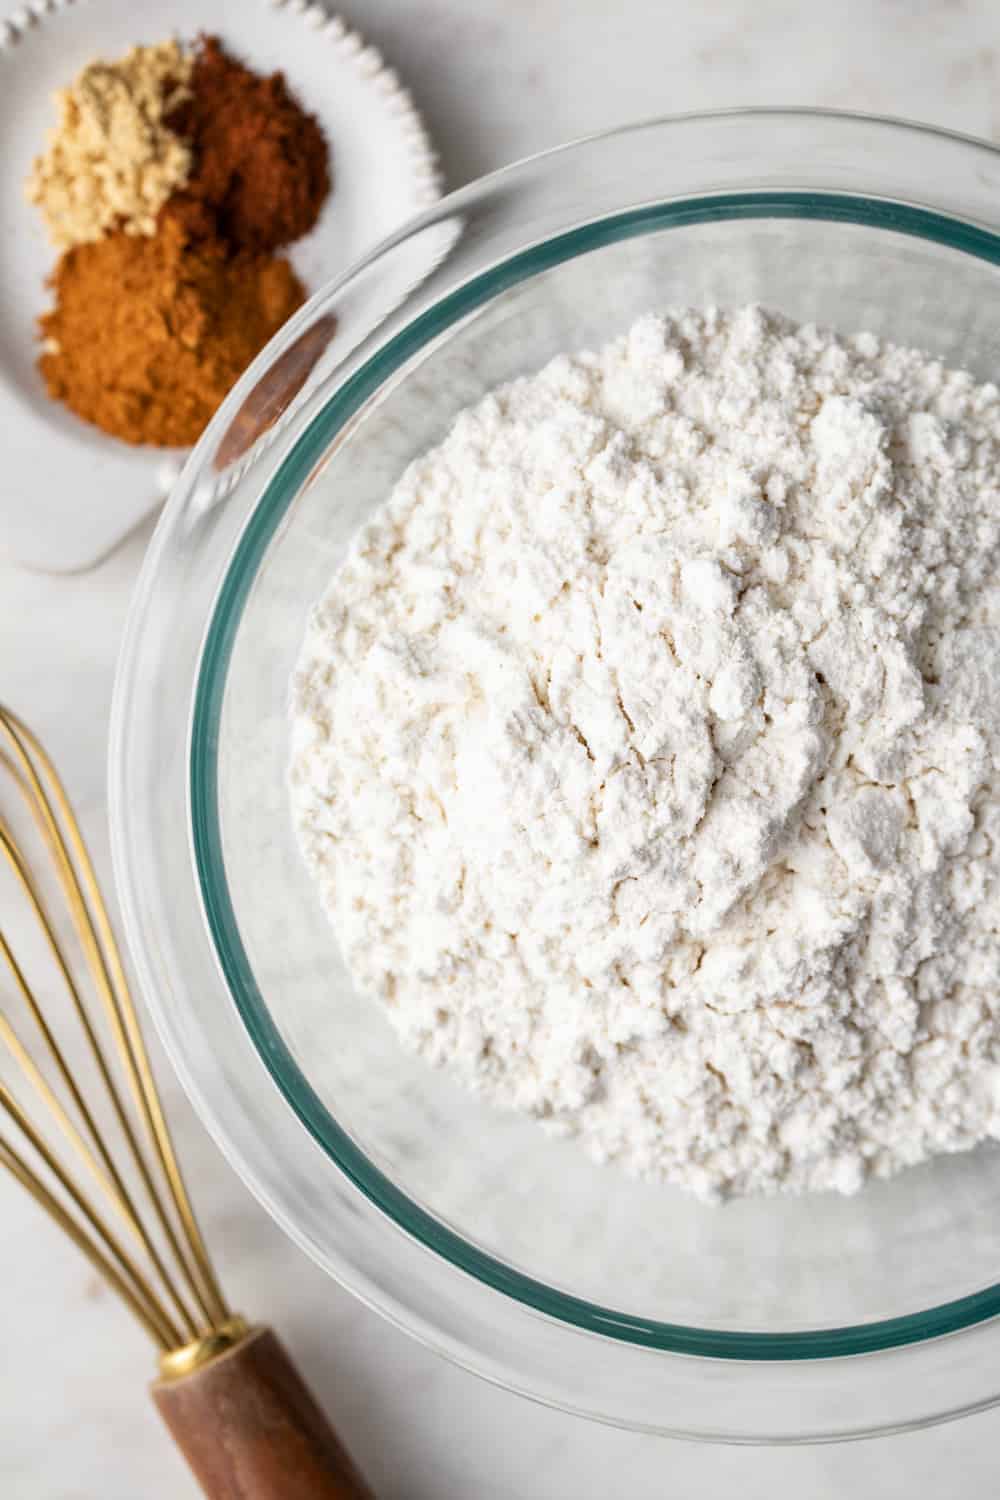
250, 1429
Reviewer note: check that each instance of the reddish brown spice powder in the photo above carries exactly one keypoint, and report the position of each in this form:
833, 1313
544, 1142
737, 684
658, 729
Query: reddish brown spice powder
261, 162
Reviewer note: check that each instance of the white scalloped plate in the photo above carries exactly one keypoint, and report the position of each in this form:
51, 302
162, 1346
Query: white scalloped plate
68, 493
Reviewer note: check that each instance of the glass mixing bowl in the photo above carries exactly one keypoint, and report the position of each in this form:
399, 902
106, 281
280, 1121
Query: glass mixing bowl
762, 1320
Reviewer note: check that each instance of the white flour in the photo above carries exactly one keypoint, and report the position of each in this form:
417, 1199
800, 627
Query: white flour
645, 751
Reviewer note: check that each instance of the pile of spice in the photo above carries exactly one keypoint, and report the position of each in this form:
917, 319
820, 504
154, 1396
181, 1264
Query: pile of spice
113, 160
170, 181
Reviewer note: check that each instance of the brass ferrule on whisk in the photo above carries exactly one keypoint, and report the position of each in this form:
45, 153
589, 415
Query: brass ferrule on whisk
176, 1363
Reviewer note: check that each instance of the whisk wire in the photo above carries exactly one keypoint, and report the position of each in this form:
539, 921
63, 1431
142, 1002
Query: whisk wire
122, 1195
43, 1028
126, 1266
41, 1086
18, 1167
39, 783
94, 927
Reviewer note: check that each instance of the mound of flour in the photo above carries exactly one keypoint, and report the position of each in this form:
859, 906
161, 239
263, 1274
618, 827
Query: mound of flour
645, 753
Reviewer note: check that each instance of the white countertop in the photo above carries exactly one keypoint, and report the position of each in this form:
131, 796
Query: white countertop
496, 79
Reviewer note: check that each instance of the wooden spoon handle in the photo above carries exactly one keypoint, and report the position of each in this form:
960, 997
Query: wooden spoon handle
250, 1429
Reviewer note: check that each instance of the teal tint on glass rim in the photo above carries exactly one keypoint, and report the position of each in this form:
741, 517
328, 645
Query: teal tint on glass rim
503, 1248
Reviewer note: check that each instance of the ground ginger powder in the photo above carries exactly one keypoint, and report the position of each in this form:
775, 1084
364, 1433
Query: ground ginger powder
112, 161
149, 334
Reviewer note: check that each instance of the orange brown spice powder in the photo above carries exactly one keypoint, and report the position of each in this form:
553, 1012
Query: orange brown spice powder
149, 334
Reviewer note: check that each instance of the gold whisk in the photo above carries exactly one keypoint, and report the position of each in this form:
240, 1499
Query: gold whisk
228, 1392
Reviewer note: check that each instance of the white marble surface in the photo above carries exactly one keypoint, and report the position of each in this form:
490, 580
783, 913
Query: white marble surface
497, 79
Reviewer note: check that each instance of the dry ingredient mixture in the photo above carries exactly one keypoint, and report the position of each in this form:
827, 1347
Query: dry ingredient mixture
160, 308
645, 750
112, 160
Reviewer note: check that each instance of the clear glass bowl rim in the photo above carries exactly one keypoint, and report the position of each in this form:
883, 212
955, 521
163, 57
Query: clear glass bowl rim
965, 234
